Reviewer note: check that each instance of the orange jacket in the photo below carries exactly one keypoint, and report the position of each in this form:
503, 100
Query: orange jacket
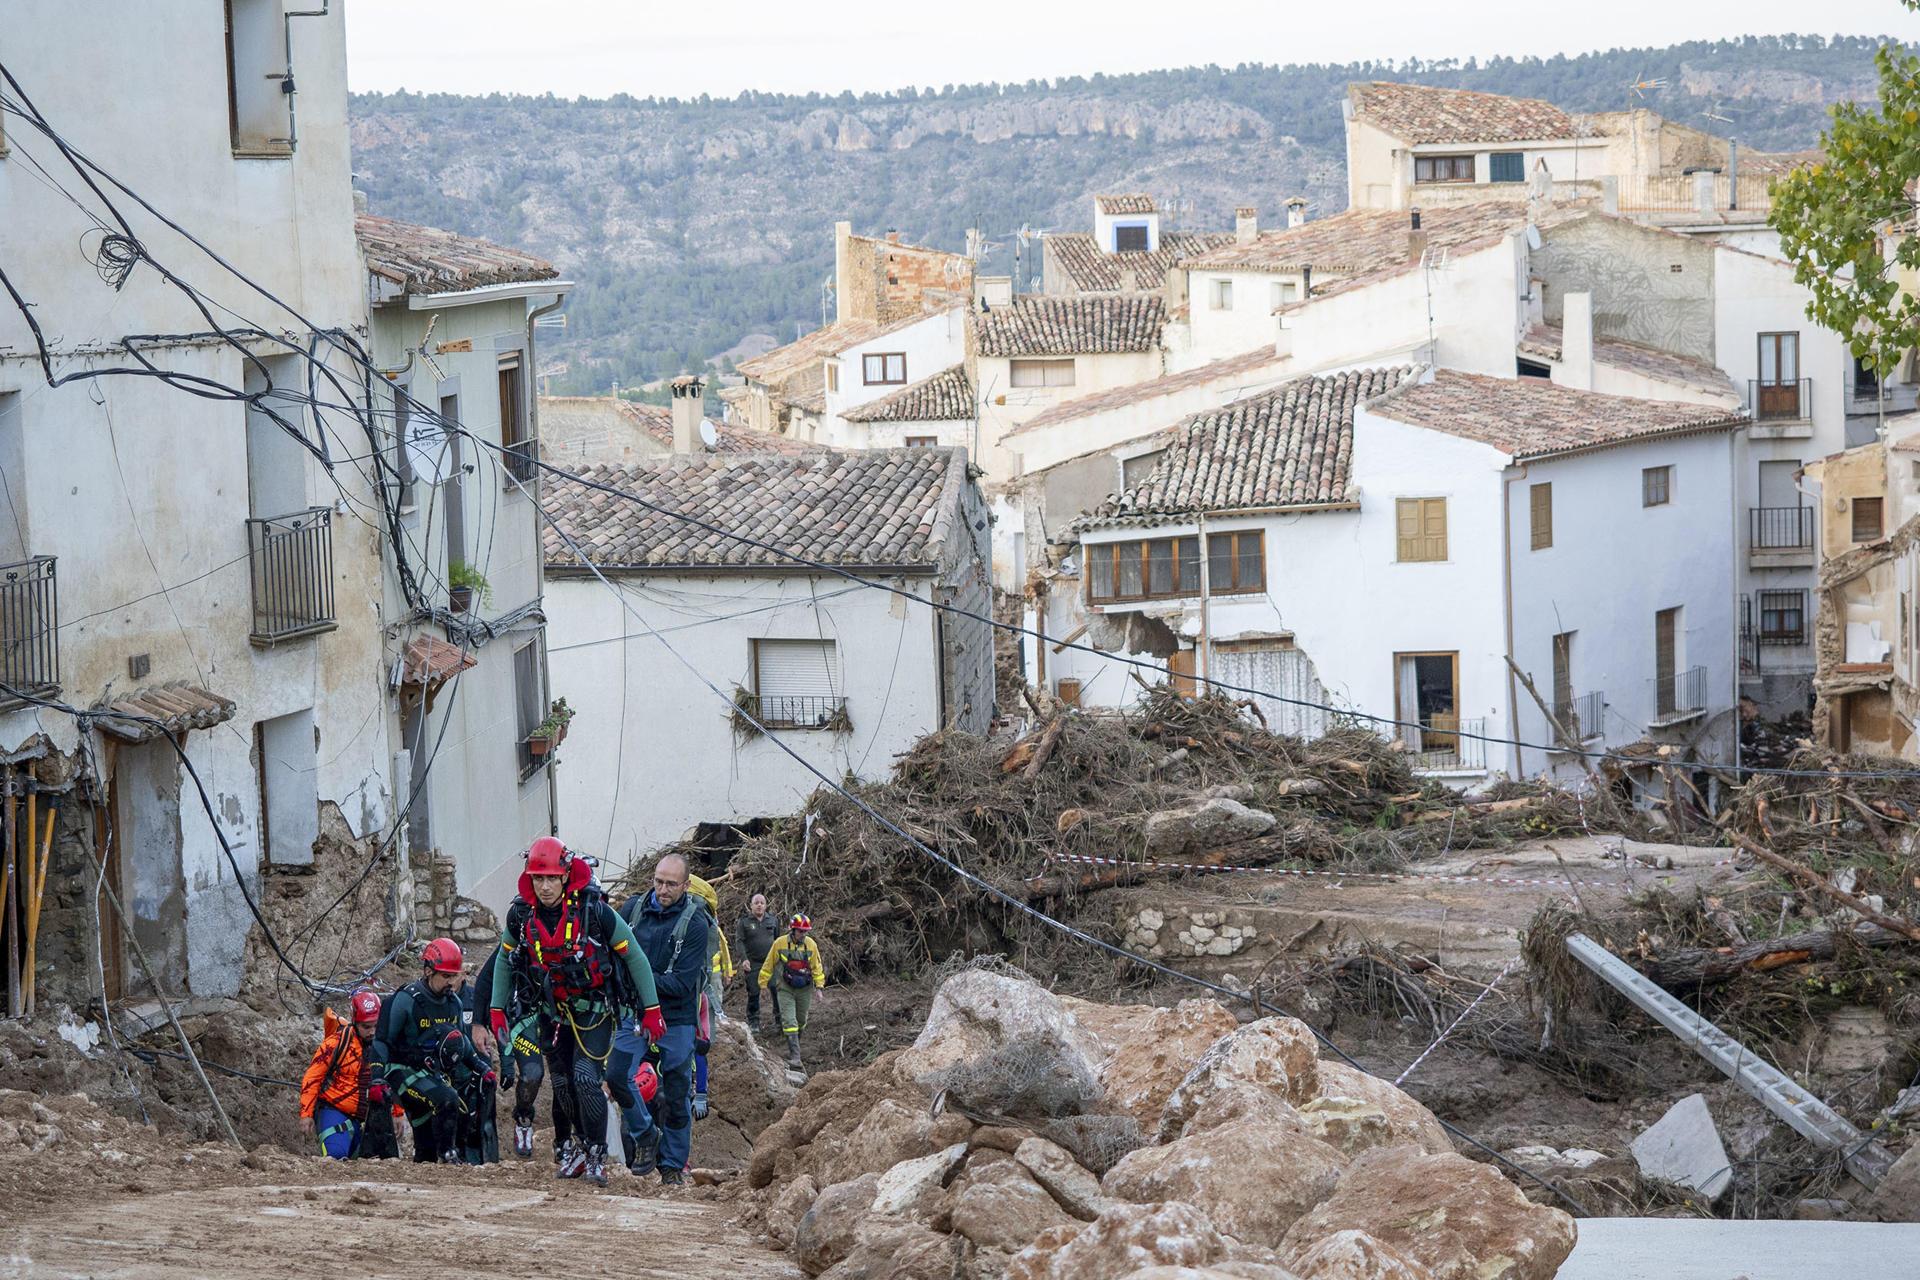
339, 1089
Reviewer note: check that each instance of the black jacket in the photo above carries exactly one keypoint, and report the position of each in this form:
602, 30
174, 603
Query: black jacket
416, 1024
680, 981
757, 936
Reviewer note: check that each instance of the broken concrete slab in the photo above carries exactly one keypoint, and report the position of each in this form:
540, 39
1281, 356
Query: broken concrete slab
1683, 1150
1204, 826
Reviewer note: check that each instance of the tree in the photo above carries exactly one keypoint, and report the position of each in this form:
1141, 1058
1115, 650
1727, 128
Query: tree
1848, 223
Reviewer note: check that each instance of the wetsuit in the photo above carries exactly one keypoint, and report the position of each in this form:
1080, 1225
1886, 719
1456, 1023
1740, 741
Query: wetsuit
422, 1048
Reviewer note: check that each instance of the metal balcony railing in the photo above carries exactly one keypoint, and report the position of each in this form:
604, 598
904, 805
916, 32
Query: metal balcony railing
1678, 695
797, 712
1447, 748
522, 459
1579, 718
1773, 400
1780, 528
292, 559
29, 630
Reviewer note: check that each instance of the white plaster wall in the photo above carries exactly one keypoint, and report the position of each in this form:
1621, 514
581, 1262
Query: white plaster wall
1249, 323
935, 343
637, 772
1041, 447
956, 433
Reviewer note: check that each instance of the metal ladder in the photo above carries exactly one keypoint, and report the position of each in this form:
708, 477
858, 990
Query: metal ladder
1864, 1158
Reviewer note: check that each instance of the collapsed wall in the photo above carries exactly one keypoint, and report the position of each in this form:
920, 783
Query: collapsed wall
1026, 1136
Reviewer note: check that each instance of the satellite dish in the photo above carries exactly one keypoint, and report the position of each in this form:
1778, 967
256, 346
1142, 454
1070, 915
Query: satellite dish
709, 434
1533, 237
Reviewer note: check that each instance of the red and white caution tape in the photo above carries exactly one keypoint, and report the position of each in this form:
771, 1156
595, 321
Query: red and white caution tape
1559, 882
1402, 1077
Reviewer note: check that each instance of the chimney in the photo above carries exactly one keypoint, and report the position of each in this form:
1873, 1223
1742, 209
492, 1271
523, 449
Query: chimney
844, 305
1246, 225
893, 237
688, 392
1296, 211
1416, 241
359, 201
996, 291
1576, 341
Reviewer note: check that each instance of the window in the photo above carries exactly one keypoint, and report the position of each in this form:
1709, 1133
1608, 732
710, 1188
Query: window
453, 500
1778, 395
1284, 292
1666, 662
833, 376
530, 703
1040, 373
15, 544
402, 446
922, 442
1422, 529
1130, 239
1783, 617
1426, 700
1866, 519
1540, 515
289, 788
1507, 166
884, 370
796, 683
1162, 568
1139, 469
1525, 368
259, 98
1656, 486
1563, 670
1866, 378
1443, 169
520, 450
1220, 293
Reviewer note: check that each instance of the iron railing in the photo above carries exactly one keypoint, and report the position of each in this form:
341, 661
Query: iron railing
796, 712
1451, 750
1579, 718
1780, 400
1780, 528
29, 630
522, 459
292, 574
1680, 694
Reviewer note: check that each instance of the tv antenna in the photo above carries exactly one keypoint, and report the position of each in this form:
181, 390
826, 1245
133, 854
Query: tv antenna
1713, 113
1640, 88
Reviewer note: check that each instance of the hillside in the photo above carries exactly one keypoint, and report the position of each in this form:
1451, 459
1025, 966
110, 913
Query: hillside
691, 225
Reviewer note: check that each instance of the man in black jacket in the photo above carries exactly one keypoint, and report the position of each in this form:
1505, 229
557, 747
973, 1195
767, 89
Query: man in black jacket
756, 932
422, 1045
671, 927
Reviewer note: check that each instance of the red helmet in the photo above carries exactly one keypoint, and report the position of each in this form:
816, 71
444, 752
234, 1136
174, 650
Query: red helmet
647, 1081
443, 956
800, 922
366, 1006
548, 857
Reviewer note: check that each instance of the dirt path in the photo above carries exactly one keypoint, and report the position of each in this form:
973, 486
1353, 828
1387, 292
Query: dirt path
390, 1220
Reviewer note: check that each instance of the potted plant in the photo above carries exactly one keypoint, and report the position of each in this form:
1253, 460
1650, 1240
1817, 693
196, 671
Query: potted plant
464, 582
552, 731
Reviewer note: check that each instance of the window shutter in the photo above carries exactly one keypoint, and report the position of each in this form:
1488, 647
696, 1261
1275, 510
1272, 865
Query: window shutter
796, 669
1433, 520
1541, 497
1407, 511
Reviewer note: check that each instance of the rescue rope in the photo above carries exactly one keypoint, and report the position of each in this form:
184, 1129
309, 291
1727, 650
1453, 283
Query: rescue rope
1454, 1025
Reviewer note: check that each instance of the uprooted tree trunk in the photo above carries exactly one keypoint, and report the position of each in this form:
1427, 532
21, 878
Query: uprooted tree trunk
1707, 966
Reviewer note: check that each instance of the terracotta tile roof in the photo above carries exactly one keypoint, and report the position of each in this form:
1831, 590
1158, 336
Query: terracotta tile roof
1364, 240
599, 418
1531, 418
1247, 363
874, 508
429, 260
1777, 162
945, 397
1418, 113
1091, 324
1079, 256
177, 707
1289, 447
426, 660
1132, 202
808, 350
1543, 340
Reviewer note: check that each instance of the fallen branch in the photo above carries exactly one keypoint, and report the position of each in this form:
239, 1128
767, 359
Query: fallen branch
1048, 741
1709, 966
1814, 880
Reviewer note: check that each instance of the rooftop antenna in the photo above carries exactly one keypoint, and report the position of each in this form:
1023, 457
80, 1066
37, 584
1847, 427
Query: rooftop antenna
1640, 88
1713, 113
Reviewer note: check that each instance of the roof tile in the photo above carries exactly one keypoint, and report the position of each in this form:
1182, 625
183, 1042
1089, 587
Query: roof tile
1092, 270
947, 396
1091, 324
426, 260
1420, 113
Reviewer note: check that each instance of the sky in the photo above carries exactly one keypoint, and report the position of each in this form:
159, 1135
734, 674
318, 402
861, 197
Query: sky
602, 47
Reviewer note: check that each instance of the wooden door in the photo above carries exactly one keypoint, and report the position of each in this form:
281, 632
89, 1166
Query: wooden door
1663, 661
1779, 375
1180, 667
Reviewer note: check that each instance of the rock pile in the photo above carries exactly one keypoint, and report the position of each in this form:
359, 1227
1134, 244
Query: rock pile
1030, 1137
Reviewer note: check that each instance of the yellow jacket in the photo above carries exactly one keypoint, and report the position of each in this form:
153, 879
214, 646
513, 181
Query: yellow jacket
787, 948
723, 962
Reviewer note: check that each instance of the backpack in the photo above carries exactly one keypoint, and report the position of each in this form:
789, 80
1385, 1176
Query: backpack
799, 973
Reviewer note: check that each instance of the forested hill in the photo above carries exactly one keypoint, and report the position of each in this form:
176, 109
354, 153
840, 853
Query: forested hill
691, 225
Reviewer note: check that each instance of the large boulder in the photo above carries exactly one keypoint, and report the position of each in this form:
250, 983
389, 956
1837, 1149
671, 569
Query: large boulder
1897, 1199
977, 1012
1230, 1270
1253, 1177
1203, 826
831, 1227
791, 1205
907, 1251
1355, 1255
1458, 1219
1278, 1054
889, 1133
1072, 1187
1003, 1207
1148, 1064
1111, 1024
1411, 1123
911, 1186
1124, 1238
1348, 1124
749, 1087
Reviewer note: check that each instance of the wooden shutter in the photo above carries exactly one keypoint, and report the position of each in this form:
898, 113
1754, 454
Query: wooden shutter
1541, 498
1407, 515
1433, 528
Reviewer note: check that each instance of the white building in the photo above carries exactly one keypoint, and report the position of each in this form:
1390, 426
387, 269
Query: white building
1126, 252
845, 675
453, 330
178, 551
939, 411
1379, 542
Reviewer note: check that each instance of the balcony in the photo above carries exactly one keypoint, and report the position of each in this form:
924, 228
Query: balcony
1578, 719
1445, 748
1780, 537
795, 712
1779, 403
29, 631
292, 558
1680, 697
522, 460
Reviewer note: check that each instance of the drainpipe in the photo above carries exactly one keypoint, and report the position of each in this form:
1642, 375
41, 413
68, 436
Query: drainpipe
1506, 567
539, 559
286, 79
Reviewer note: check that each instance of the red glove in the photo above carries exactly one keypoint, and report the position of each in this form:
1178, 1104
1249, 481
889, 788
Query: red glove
498, 1019
488, 1078
377, 1091
653, 1024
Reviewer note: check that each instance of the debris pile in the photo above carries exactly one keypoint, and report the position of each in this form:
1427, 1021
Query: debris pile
1031, 1136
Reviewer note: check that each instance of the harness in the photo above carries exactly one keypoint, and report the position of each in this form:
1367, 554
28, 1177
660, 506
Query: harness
347, 1123
571, 965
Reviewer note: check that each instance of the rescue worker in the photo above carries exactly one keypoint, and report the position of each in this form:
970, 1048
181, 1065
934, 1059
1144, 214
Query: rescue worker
340, 1085
671, 925
422, 1045
720, 972
568, 947
521, 1066
793, 970
756, 931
